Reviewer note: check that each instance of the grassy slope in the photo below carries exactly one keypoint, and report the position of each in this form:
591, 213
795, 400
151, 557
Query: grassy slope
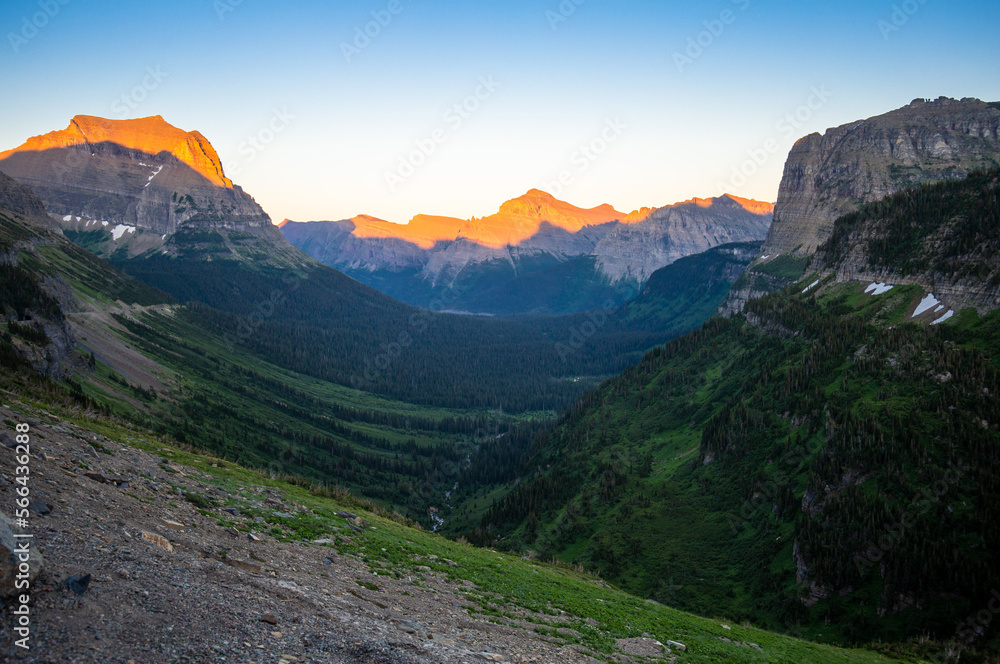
262, 415
503, 583
684, 479
214, 396
689, 291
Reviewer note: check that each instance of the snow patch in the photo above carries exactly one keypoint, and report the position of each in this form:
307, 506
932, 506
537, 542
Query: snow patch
68, 217
811, 286
938, 308
926, 304
944, 318
879, 289
120, 230
104, 223
155, 173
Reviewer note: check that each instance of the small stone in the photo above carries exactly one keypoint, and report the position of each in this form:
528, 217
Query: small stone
232, 510
172, 524
245, 566
726, 627
269, 618
328, 561
40, 507
158, 540
676, 644
492, 657
252, 537
78, 584
97, 477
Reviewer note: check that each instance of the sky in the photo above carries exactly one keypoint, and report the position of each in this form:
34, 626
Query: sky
391, 108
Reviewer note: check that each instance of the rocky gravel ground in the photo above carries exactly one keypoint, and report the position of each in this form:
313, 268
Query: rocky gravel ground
158, 580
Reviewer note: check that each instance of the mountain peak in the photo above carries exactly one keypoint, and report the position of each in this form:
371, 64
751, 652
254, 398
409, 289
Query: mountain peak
145, 174
540, 206
152, 135
538, 194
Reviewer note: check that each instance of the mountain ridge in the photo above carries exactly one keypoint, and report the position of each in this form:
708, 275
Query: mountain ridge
535, 234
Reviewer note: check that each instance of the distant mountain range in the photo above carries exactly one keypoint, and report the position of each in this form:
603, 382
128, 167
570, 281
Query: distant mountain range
536, 254
128, 189
154, 200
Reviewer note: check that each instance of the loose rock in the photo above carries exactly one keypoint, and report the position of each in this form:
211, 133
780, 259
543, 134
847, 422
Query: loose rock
78, 584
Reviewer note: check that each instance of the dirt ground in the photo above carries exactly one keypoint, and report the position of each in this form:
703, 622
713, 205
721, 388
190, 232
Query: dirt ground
169, 584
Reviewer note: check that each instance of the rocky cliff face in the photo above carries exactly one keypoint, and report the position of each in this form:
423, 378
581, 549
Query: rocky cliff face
534, 232
832, 174
633, 251
42, 309
138, 181
941, 237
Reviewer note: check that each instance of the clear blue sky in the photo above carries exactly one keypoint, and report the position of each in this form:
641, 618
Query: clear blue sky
608, 74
